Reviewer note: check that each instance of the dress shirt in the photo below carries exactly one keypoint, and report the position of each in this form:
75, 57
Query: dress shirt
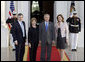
46, 23
22, 27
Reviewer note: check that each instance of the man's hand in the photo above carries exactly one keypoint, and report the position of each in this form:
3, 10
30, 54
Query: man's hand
67, 42
16, 42
39, 43
53, 42
30, 45
26, 42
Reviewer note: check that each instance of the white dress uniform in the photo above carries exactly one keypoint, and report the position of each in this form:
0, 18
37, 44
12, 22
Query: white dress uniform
73, 40
11, 41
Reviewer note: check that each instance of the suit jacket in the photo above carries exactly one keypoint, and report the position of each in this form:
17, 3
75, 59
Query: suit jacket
17, 32
46, 36
64, 30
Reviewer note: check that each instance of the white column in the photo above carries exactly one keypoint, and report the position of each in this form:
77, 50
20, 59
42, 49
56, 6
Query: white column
62, 8
55, 12
3, 13
80, 10
4, 30
68, 8
29, 13
77, 7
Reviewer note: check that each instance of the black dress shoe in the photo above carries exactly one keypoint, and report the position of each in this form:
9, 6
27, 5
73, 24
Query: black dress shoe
73, 50
13, 49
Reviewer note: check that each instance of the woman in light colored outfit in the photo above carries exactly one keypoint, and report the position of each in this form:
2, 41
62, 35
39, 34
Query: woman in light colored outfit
61, 30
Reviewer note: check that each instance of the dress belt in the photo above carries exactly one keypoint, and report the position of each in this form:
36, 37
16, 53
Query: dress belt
74, 25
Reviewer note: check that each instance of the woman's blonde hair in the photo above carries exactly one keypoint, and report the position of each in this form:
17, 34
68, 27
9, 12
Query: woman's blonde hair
32, 19
61, 17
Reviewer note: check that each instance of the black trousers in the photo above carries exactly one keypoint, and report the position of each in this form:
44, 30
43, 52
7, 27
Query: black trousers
20, 49
33, 51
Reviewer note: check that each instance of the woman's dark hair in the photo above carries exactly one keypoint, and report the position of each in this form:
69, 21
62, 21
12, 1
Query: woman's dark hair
61, 17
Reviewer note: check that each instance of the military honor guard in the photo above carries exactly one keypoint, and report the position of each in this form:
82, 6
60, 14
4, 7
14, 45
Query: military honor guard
74, 29
10, 21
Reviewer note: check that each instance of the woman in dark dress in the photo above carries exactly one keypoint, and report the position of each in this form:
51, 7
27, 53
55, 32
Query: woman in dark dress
61, 35
33, 38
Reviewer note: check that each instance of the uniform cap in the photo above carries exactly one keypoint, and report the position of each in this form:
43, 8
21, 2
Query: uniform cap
14, 13
74, 12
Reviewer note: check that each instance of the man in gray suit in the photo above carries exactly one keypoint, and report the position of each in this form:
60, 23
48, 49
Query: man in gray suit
46, 37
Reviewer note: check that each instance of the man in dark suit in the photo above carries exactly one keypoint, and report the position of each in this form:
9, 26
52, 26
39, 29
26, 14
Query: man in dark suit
46, 36
19, 37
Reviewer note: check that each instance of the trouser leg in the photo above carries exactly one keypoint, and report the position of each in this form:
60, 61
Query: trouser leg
17, 53
22, 51
31, 52
35, 51
75, 40
72, 40
49, 47
43, 51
